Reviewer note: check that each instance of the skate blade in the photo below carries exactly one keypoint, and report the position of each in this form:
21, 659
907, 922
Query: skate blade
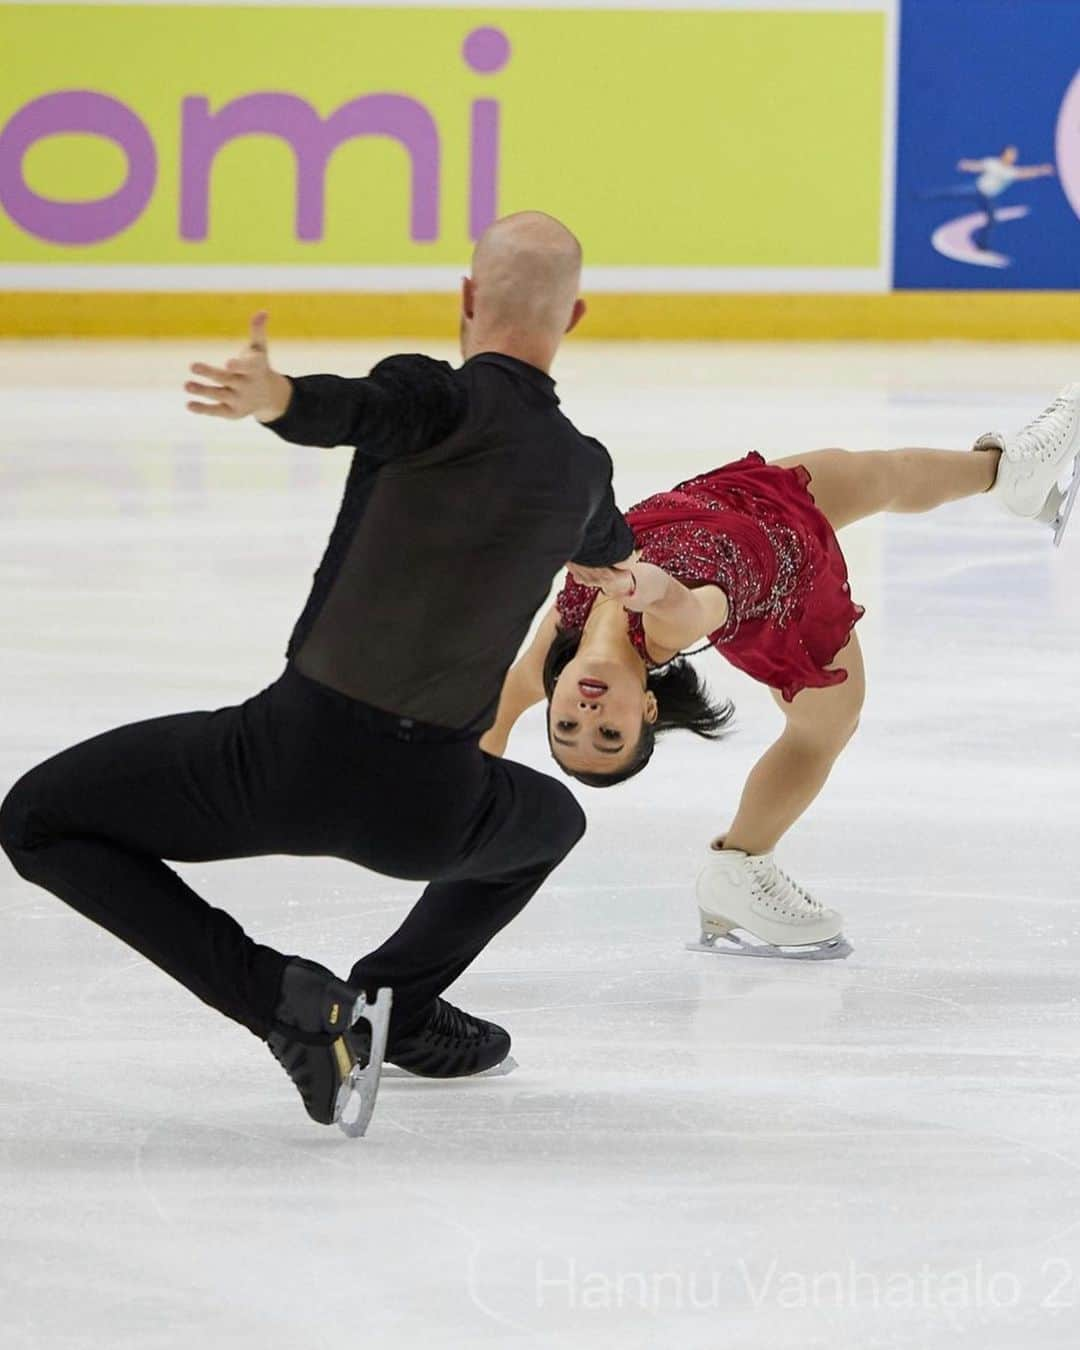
356, 1098
500, 1070
732, 944
1065, 508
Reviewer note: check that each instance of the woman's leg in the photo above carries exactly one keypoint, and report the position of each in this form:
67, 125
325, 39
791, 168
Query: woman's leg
791, 773
849, 485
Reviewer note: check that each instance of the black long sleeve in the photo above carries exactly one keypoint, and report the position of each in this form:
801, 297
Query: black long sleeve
608, 538
406, 403
467, 493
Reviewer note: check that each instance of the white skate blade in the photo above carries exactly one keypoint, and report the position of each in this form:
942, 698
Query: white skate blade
735, 944
1065, 509
356, 1098
500, 1070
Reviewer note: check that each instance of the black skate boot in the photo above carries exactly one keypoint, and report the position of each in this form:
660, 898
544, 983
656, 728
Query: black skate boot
452, 1044
315, 1011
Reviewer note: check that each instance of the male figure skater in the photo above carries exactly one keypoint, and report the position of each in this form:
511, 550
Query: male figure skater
468, 491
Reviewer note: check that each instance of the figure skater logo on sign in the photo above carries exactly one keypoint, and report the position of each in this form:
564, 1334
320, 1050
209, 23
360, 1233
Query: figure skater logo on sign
966, 239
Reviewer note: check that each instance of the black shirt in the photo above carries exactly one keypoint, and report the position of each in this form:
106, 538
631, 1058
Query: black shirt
469, 490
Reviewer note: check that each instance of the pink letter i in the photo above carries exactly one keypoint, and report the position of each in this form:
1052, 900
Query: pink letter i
486, 50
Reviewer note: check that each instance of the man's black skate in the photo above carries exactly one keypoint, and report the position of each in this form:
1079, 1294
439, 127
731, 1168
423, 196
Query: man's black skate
315, 1011
451, 1044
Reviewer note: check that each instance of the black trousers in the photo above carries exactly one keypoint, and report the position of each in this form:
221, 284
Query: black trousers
297, 769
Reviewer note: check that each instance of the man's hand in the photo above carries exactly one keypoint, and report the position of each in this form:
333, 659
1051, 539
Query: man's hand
247, 387
640, 586
614, 581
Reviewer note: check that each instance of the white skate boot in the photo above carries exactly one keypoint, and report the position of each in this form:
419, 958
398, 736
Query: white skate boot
1038, 473
747, 891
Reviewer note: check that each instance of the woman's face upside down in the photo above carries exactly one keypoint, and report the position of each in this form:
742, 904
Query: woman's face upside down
596, 714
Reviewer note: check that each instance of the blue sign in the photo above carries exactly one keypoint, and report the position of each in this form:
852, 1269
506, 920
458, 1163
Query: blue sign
988, 145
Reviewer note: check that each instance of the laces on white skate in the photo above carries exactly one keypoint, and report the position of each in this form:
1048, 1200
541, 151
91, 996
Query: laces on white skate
1041, 438
786, 895
1039, 471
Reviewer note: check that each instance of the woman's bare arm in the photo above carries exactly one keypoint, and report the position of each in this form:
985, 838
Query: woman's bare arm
674, 616
522, 688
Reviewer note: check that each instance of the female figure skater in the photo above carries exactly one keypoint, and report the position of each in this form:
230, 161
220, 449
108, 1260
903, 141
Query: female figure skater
748, 559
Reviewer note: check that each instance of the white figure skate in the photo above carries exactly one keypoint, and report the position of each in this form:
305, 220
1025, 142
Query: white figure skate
775, 916
1039, 471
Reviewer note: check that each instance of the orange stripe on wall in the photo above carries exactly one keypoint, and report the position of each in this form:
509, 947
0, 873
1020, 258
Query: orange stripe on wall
1006, 316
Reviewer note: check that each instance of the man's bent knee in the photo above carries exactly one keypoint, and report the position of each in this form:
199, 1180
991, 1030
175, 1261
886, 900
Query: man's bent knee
20, 823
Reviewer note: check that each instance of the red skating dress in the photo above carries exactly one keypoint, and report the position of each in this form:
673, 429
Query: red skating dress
753, 530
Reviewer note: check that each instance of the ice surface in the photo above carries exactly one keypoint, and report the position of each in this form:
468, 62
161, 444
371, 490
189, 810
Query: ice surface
876, 1153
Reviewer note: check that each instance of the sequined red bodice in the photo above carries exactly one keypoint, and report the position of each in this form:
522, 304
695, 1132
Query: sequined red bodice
753, 530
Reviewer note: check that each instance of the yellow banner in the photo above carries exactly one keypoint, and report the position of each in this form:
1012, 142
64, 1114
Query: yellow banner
205, 134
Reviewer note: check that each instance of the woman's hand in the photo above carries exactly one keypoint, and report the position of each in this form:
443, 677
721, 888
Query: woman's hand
246, 386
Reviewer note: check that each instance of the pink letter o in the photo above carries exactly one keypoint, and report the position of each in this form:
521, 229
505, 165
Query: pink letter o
76, 111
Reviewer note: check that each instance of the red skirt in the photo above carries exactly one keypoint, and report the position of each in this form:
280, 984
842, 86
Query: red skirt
754, 530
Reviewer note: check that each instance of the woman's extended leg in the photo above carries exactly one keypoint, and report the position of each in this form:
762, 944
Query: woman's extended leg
849, 485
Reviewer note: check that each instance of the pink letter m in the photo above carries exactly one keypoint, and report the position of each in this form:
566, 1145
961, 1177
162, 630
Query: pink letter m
313, 141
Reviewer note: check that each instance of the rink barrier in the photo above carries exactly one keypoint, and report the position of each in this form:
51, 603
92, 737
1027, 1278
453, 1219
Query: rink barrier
1044, 316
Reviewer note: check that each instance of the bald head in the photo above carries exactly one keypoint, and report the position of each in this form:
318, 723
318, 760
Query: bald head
526, 275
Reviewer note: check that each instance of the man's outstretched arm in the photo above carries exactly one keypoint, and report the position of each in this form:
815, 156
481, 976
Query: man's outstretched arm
406, 402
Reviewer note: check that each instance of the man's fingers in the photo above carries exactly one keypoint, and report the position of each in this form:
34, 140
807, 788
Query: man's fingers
610, 580
212, 410
239, 367
258, 330
220, 394
212, 372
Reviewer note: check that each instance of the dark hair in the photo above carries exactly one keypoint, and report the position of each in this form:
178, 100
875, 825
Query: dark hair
682, 702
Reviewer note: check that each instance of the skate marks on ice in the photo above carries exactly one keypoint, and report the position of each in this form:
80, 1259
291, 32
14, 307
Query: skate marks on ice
914, 1105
